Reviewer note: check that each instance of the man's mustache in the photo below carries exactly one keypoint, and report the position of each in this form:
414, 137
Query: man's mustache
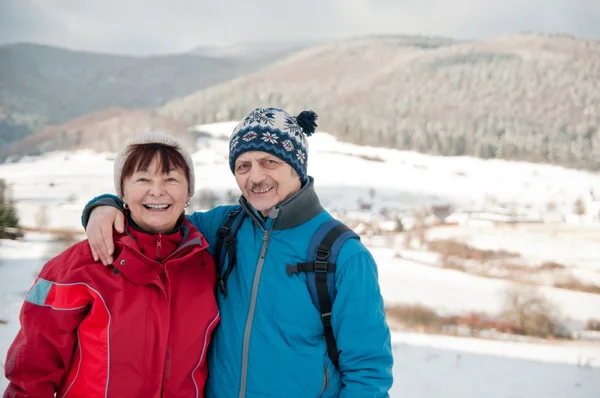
259, 187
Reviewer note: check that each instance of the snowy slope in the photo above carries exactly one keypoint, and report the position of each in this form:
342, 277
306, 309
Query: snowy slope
59, 185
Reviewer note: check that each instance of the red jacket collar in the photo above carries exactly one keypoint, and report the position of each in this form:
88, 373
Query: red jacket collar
136, 251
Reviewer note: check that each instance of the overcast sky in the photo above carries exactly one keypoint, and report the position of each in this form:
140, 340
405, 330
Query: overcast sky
166, 26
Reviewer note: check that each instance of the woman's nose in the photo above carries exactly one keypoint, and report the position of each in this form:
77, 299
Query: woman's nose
156, 189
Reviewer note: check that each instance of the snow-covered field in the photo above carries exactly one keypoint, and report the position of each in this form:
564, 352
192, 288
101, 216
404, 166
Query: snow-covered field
451, 292
426, 371
52, 190
575, 247
426, 366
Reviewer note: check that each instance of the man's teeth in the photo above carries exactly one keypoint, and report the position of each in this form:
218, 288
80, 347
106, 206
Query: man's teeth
157, 207
256, 190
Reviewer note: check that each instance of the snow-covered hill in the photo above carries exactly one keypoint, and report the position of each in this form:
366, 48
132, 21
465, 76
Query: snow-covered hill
52, 190
344, 174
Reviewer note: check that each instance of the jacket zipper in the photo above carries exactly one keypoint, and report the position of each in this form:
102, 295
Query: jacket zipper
325, 382
249, 320
158, 247
162, 276
167, 356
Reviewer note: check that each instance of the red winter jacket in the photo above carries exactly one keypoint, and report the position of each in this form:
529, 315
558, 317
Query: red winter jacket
138, 329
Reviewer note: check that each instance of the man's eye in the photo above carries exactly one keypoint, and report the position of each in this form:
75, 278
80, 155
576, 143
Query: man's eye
242, 167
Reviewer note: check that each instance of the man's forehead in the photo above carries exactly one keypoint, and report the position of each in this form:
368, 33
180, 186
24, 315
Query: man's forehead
255, 155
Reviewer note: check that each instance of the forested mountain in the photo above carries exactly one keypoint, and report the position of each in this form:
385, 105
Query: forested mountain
523, 97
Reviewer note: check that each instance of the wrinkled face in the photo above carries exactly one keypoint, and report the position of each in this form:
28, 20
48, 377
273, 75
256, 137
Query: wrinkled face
156, 200
265, 180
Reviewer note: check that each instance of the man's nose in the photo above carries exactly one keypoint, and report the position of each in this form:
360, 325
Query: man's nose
257, 174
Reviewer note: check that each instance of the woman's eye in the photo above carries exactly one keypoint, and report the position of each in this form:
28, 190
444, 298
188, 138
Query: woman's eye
142, 180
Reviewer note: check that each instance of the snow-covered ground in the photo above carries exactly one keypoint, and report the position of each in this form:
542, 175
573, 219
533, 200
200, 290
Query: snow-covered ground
52, 190
454, 292
427, 371
426, 366
575, 247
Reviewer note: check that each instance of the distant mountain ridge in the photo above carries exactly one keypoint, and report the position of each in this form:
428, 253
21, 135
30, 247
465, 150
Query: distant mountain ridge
267, 51
42, 85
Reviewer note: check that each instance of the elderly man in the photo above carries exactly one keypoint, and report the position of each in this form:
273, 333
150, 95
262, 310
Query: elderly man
301, 309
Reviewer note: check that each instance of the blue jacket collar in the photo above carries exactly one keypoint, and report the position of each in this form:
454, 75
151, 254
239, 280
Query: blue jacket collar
296, 210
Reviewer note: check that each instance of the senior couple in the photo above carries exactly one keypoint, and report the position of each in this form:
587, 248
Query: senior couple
269, 298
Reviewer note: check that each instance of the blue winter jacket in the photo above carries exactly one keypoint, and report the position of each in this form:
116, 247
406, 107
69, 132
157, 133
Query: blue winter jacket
270, 340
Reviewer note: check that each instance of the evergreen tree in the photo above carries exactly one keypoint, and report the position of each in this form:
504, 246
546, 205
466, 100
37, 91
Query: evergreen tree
8, 213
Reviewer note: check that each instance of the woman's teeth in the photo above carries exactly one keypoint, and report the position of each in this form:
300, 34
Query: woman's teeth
157, 207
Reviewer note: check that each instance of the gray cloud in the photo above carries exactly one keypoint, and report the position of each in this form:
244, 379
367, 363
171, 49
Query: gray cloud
158, 26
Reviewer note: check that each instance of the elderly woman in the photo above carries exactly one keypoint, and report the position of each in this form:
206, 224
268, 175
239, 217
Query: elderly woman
141, 327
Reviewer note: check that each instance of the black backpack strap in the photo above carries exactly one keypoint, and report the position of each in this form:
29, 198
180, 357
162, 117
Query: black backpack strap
226, 240
321, 267
306, 267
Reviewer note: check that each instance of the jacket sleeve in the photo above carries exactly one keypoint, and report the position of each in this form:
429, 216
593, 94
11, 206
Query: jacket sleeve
362, 333
102, 200
42, 351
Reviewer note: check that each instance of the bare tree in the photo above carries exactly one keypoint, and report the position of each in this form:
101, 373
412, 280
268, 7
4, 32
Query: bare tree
530, 311
579, 207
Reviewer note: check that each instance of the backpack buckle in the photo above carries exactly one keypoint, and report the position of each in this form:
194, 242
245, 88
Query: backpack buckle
321, 257
321, 266
326, 318
229, 239
223, 231
322, 253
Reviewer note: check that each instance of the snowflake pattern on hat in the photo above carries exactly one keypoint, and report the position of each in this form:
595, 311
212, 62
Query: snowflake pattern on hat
234, 142
287, 145
293, 127
260, 116
301, 156
270, 137
250, 136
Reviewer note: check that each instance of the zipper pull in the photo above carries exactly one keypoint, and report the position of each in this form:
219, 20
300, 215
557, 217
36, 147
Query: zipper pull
267, 234
158, 246
327, 378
